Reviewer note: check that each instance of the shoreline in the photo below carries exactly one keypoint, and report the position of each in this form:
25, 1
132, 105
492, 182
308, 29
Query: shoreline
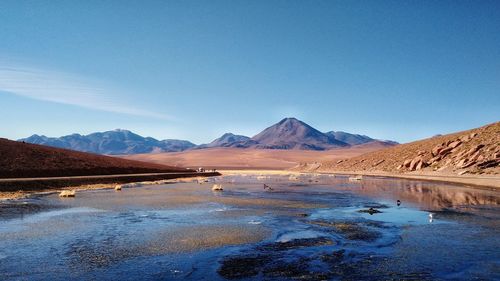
484, 182
24, 188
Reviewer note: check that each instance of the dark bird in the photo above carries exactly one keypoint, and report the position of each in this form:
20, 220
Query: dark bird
267, 186
398, 202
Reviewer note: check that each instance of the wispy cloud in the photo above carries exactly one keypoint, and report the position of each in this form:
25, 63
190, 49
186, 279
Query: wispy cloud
64, 88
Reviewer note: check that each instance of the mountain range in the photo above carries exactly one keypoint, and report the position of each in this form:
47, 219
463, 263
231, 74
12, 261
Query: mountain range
289, 133
112, 142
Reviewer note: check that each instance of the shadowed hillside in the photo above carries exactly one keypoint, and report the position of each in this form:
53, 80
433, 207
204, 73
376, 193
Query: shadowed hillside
21, 160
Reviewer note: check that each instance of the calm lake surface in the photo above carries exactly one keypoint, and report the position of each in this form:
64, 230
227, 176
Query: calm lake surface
307, 228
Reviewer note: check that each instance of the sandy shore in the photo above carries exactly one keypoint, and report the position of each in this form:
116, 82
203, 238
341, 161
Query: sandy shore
6, 195
259, 172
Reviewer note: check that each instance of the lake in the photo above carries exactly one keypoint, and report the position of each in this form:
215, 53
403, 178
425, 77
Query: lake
308, 227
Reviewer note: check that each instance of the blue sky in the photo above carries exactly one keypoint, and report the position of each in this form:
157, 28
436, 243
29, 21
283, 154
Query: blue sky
400, 70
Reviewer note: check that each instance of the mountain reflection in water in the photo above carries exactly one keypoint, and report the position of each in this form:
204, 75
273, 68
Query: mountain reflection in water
427, 195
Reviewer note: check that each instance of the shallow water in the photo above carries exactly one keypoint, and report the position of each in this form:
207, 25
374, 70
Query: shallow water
309, 228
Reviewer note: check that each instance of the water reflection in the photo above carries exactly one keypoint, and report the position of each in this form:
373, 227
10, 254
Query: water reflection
312, 228
427, 195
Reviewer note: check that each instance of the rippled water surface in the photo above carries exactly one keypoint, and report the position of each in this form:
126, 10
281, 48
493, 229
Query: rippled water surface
308, 228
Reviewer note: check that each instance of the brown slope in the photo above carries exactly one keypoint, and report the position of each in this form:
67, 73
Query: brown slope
475, 151
23, 160
250, 158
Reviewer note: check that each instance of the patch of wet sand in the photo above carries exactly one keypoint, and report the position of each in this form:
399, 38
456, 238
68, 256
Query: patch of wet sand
90, 254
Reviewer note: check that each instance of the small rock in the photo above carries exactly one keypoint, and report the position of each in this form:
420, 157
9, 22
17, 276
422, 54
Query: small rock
461, 162
473, 149
67, 193
465, 138
480, 158
217, 187
435, 159
420, 165
415, 162
461, 153
455, 144
435, 151
475, 156
407, 163
445, 151
421, 152
468, 164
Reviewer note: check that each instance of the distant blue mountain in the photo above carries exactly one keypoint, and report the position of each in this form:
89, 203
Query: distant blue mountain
228, 140
112, 142
352, 139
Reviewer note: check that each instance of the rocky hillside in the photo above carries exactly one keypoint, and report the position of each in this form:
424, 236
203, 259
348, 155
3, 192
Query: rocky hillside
475, 151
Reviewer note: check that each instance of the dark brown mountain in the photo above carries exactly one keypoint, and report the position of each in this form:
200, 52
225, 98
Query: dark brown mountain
20, 160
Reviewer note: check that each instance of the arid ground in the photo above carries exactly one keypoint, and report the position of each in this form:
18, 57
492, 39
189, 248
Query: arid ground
239, 158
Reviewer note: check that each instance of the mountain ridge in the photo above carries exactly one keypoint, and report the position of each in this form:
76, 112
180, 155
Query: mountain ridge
288, 133
113, 142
